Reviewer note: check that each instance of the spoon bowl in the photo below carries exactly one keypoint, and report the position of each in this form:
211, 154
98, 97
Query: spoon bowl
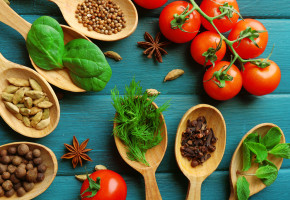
68, 9
256, 185
49, 160
199, 173
60, 78
154, 157
12, 70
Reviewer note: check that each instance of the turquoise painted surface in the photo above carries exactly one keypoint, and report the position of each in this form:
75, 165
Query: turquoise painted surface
94, 111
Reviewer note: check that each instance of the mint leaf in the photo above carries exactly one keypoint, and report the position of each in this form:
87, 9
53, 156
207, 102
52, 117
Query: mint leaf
267, 174
246, 158
268, 162
253, 137
281, 150
272, 138
243, 188
259, 150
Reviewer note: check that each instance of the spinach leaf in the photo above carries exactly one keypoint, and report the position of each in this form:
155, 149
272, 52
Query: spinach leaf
45, 46
88, 66
243, 188
272, 138
49, 21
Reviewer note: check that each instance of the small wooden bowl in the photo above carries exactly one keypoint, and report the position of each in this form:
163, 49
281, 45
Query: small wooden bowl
49, 160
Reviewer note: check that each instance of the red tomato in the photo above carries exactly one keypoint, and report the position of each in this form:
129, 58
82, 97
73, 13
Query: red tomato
150, 4
211, 8
247, 49
112, 187
261, 81
231, 89
203, 42
192, 25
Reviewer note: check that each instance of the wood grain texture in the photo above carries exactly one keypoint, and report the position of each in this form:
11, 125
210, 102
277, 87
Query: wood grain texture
88, 115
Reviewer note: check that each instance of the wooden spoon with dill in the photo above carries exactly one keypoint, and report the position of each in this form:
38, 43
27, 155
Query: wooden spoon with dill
140, 133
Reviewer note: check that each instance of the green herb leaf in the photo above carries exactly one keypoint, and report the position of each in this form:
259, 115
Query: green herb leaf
253, 137
243, 188
45, 44
272, 138
88, 65
267, 174
49, 21
268, 162
259, 150
281, 150
246, 158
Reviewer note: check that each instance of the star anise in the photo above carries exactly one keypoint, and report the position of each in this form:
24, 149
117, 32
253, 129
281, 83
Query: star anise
77, 152
154, 46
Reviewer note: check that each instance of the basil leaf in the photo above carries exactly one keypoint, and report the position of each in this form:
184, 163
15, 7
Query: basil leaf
49, 21
267, 174
246, 158
281, 150
272, 138
259, 150
45, 46
243, 188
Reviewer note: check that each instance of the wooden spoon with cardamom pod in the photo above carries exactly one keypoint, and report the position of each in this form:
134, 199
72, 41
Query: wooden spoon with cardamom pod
256, 185
60, 78
12, 70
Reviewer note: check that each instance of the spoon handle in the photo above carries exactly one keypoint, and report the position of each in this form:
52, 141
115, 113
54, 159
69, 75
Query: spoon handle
232, 196
11, 18
151, 187
3, 62
194, 189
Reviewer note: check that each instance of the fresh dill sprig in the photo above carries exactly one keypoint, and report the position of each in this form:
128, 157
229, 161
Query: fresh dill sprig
139, 124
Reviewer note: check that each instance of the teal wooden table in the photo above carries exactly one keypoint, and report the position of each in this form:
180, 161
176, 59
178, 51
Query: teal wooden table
89, 115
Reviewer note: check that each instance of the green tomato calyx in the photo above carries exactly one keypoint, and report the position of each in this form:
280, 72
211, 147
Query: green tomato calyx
94, 187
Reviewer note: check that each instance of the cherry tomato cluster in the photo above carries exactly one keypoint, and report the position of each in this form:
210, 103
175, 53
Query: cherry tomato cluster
180, 23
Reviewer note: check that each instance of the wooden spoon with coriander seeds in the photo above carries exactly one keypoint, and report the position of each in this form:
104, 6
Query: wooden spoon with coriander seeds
199, 173
256, 185
154, 157
68, 9
12, 70
48, 158
60, 78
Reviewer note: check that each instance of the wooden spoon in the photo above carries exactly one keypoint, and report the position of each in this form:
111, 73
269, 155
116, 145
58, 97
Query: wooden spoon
256, 185
49, 160
60, 78
68, 9
153, 157
198, 174
12, 70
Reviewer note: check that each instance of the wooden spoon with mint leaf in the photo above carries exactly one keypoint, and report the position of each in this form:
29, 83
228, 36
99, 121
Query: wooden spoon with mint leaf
237, 163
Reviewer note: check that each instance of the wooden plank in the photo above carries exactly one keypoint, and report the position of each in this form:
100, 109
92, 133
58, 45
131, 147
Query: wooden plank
94, 112
248, 8
173, 186
150, 72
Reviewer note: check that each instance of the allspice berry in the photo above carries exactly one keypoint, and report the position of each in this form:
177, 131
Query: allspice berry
22, 149
7, 185
17, 186
37, 161
3, 152
28, 186
29, 156
22, 165
3, 168
6, 160
31, 175
20, 172
14, 179
1, 192
10, 193
16, 160
21, 192
29, 166
36, 153
12, 150
1, 180
6, 175
41, 168
40, 177
11, 169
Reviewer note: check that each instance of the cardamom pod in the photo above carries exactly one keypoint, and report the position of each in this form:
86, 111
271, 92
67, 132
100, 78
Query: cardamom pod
35, 110
20, 105
43, 124
174, 74
34, 84
24, 111
113, 55
28, 102
7, 96
18, 82
45, 113
26, 121
36, 119
11, 89
100, 167
33, 94
11, 107
44, 104
82, 177
18, 116
37, 101
18, 96
152, 92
